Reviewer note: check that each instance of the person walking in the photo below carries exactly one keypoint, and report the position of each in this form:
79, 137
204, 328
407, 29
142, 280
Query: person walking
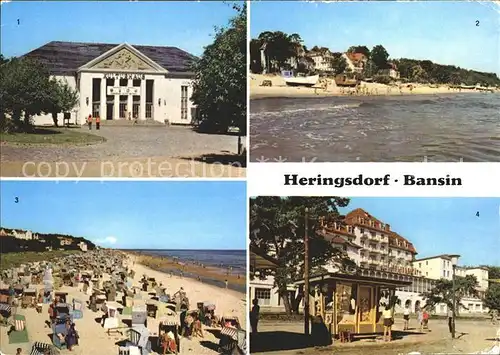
89, 122
226, 283
388, 322
97, 122
406, 317
254, 315
450, 319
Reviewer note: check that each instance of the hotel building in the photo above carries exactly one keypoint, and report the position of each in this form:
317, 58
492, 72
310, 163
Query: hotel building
121, 81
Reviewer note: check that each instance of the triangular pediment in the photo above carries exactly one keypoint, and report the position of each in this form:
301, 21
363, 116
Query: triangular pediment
123, 58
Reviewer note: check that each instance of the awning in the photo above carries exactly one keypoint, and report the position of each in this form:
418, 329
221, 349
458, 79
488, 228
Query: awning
356, 278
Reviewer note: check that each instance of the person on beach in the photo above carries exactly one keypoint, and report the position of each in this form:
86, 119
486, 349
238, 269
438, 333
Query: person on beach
168, 342
254, 315
189, 326
226, 283
406, 317
52, 312
89, 122
182, 318
97, 122
71, 335
197, 328
388, 322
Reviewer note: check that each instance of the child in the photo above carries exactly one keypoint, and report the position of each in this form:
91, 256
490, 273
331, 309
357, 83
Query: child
425, 318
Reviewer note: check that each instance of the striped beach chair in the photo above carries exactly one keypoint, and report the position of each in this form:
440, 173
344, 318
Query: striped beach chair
39, 348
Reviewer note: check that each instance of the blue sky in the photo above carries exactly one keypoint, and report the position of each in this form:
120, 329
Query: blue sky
187, 25
442, 225
444, 32
150, 215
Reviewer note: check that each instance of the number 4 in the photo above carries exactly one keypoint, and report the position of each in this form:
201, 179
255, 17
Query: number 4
477, 214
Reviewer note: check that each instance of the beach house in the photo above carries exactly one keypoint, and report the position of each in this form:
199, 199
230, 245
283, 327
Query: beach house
322, 58
121, 81
355, 61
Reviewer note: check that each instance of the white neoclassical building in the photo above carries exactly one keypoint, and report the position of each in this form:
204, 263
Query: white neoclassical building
122, 81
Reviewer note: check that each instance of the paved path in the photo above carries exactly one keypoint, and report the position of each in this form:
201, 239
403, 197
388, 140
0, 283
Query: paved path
125, 144
472, 336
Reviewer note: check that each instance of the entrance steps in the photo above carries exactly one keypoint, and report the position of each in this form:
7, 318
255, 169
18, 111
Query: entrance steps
124, 122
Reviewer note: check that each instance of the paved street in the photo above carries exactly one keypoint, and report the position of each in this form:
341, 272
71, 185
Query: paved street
128, 144
472, 336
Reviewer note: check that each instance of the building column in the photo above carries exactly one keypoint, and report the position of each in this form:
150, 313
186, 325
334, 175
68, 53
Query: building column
102, 110
142, 107
116, 106
129, 100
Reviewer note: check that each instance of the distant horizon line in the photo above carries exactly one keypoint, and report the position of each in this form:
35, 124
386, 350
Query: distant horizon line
182, 249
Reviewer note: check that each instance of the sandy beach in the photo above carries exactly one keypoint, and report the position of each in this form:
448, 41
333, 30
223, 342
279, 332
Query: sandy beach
280, 89
95, 340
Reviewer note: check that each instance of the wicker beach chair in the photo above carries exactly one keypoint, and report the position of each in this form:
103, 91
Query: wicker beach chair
77, 311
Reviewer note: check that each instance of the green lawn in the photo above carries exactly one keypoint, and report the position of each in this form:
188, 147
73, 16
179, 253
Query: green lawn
15, 259
52, 135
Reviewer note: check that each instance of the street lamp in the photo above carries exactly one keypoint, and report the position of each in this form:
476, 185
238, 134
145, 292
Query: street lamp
306, 274
454, 262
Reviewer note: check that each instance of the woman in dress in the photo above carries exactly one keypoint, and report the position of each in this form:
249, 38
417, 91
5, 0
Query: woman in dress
71, 335
420, 318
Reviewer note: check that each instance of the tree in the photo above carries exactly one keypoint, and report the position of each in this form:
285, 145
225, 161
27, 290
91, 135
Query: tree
277, 228
256, 65
338, 63
360, 49
418, 74
492, 297
370, 69
442, 292
379, 56
280, 47
62, 98
219, 87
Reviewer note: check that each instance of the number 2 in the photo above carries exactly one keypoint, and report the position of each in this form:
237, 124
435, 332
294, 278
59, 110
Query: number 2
477, 23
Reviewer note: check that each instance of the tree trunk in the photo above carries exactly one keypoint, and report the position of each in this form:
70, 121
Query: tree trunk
283, 294
54, 118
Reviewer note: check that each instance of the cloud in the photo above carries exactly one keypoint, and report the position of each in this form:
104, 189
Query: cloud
107, 240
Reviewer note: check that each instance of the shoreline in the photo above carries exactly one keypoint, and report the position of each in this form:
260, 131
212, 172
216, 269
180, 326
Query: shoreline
208, 276
327, 87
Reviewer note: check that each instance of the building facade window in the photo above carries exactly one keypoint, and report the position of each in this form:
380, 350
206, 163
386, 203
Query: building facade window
263, 295
184, 98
